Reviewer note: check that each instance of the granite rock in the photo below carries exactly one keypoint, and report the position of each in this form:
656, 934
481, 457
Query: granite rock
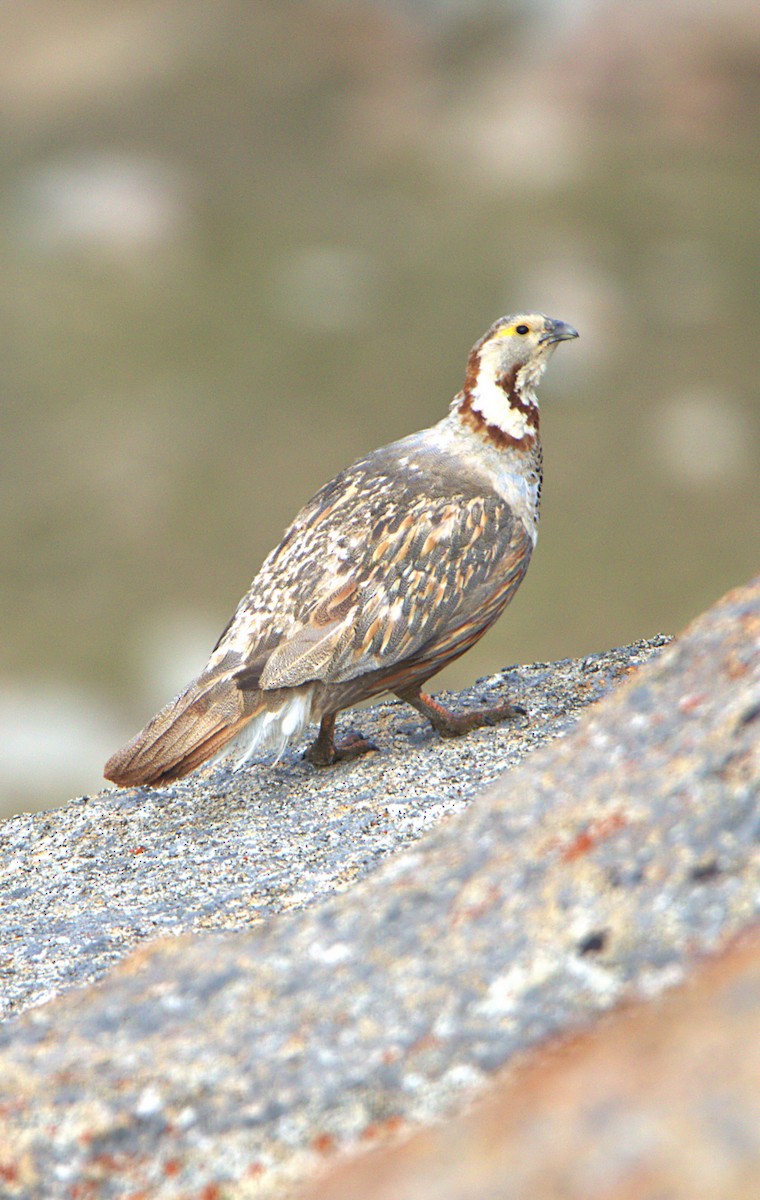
659, 1100
84, 884
232, 1061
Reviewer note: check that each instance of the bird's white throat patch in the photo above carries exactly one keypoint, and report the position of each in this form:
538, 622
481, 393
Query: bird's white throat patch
496, 408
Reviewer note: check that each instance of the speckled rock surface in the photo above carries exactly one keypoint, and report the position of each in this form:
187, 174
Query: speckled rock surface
83, 885
596, 870
660, 1102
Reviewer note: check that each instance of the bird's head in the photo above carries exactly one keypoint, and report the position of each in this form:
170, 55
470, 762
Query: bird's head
518, 348
504, 367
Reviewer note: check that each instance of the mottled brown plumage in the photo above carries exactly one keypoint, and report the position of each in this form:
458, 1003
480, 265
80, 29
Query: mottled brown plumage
394, 569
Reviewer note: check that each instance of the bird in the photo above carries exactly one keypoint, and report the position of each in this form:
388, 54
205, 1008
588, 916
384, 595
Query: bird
391, 571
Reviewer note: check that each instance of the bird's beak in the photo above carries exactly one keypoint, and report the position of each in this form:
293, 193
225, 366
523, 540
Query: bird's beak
557, 331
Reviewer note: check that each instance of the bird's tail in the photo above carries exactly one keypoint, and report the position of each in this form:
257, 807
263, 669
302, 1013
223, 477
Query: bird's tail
192, 729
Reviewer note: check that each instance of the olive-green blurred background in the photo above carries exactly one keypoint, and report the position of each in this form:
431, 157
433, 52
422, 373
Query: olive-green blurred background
244, 242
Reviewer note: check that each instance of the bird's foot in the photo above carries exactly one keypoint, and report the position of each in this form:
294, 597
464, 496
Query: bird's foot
449, 724
324, 751
455, 724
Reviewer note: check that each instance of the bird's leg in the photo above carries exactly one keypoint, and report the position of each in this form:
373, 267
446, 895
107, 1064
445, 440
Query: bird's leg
449, 724
324, 751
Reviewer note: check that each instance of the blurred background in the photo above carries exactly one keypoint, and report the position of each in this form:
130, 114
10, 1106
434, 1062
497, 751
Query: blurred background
243, 243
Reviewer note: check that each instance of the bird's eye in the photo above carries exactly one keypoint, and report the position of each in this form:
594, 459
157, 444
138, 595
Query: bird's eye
523, 329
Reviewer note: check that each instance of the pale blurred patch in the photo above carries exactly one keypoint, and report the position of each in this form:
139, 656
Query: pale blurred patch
171, 649
328, 288
509, 138
63, 59
701, 439
56, 737
106, 201
684, 281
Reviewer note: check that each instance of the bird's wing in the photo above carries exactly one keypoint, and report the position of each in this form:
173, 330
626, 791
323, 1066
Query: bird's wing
430, 573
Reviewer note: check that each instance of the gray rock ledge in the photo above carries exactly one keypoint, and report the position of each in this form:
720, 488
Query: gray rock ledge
83, 885
236, 1061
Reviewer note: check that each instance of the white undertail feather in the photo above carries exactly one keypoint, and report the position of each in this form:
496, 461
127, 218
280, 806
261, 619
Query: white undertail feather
269, 731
